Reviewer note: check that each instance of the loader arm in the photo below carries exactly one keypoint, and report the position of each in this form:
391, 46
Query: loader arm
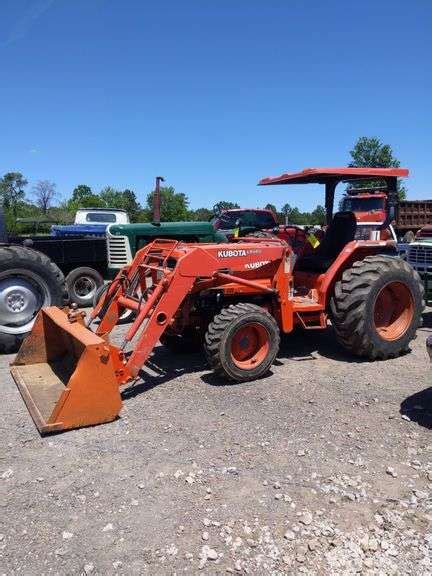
70, 376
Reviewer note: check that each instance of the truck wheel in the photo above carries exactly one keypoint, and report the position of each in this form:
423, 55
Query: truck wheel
82, 284
242, 342
126, 317
28, 282
377, 306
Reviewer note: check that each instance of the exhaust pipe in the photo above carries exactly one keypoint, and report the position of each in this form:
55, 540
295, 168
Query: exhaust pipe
157, 201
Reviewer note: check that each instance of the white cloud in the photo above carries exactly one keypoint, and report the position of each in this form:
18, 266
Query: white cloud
27, 18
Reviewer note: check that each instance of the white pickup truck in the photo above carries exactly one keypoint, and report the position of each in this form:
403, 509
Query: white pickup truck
91, 222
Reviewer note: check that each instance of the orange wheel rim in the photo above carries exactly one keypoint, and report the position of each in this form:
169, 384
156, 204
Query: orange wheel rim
393, 311
250, 346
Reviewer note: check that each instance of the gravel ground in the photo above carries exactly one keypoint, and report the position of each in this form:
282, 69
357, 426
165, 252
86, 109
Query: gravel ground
323, 467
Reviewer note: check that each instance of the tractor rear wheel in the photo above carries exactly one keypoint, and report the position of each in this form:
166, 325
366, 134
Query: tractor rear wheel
376, 307
29, 280
242, 342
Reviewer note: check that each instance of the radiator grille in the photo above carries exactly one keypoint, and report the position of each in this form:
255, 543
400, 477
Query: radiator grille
420, 256
119, 253
364, 232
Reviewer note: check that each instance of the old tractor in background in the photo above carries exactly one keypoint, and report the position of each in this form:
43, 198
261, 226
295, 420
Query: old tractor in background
123, 241
29, 280
235, 298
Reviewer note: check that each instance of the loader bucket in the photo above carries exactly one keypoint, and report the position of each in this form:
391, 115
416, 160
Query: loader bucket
66, 374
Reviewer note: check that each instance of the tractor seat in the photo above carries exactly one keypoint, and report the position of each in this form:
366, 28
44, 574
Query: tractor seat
341, 230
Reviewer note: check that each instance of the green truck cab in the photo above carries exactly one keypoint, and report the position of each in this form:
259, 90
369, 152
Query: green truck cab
124, 240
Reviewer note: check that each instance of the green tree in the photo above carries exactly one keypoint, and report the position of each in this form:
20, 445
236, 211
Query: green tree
131, 205
297, 217
225, 205
271, 207
12, 191
318, 216
83, 197
372, 153
285, 213
110, 197
201, 214
81, 192
121, 199
286, 209
174, 205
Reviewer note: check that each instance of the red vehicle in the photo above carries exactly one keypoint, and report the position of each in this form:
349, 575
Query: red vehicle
250, 219
368, 204
233, 300
259, 221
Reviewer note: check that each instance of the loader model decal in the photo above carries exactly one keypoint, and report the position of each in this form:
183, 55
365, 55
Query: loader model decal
236, 253
231, 253
254, 265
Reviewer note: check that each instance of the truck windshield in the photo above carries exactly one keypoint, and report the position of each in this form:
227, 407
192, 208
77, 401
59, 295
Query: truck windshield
100, 217
248, 218
362, 204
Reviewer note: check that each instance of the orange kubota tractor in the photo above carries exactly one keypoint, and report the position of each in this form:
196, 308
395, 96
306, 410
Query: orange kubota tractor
233, 298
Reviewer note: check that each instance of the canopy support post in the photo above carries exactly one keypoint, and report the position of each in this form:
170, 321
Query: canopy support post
392, 202
330, 187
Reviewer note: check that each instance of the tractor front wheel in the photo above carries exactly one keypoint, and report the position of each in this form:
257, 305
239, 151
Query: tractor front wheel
376, 307
242, 342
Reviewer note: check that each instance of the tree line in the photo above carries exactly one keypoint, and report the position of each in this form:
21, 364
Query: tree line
43, 202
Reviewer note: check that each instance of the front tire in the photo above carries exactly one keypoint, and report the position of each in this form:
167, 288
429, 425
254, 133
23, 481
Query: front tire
242, 342
377, 306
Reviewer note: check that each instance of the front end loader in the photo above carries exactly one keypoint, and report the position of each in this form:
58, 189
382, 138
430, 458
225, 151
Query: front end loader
69, 376
232, 299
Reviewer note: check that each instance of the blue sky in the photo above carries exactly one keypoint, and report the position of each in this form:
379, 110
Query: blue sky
211, 94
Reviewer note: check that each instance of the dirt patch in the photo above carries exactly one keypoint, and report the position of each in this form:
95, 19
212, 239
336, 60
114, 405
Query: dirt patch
324, 466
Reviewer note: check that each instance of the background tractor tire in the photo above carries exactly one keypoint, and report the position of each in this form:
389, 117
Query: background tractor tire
82, 284
377, 306
28, 282
242, 342
125, 318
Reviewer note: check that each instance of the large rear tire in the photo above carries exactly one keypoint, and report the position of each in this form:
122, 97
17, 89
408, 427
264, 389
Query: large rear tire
377, 306
29, 280
242, 342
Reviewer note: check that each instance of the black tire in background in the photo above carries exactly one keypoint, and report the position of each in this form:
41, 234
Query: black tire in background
126, 317
82, 284
99, 293
377, 306
29, 280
